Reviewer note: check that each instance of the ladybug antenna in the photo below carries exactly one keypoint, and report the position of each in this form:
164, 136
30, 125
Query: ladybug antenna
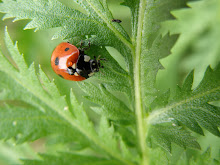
100, 59
81, 44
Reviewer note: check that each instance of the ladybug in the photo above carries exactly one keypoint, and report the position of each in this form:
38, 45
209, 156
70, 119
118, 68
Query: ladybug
71, 63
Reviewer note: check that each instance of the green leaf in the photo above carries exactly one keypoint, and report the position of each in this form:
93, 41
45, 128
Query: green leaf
38, 110
110, 109
129, 106
30, 112
153, 46
188, 108
50, 14
149, 48
66, 158
133, 5
74, 23
11, 153
198, 45
203, 159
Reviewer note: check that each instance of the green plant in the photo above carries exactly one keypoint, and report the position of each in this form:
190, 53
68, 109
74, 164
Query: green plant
135, 117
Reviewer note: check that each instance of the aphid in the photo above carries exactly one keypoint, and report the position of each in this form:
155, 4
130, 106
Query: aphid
116, 20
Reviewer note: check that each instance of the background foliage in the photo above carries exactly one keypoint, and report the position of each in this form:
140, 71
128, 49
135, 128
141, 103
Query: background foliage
102, 120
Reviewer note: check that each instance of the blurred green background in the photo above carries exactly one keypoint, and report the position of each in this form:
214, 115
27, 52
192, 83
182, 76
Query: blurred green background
37, 47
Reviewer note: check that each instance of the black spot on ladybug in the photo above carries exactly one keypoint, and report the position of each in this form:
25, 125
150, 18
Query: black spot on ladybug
60, 75
57, 61
67, 49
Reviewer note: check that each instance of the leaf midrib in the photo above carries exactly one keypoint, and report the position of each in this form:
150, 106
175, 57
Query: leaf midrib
158, 112
139, 110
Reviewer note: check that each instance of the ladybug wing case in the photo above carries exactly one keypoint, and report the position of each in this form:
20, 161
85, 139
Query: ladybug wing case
65, 55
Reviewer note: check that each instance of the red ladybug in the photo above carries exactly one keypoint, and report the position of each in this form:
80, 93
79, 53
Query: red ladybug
71, 63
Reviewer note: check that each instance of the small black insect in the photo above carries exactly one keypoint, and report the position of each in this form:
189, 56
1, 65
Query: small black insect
116, 20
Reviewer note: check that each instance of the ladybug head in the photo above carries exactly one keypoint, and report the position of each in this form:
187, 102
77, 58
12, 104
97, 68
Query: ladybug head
95, 64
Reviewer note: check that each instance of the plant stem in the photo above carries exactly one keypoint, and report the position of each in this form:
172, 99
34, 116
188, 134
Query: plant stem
139, 110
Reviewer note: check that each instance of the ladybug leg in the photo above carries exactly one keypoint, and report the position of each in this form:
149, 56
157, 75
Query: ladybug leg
89, 44
81, 52
103, 59
71, 71
100, 59
81, 44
